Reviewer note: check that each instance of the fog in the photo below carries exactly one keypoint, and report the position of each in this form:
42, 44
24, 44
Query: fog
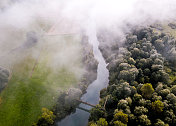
114, 14
60, 17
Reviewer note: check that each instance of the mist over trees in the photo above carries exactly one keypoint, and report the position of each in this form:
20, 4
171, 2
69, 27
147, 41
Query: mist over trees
142, 81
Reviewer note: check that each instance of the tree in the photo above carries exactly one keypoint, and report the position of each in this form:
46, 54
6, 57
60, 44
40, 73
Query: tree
147, 90
164, 92
131, 61
157, 106
160, 123
143, 119
131, 39
129, 100
139, 110
137, 97
103, 92
147, 71
159, 87
97, 113
93, 124
102, 122
171, 97
47, 118
124, 66
159, 44
123, 104
128, 75
173, 89
123, 90
156, 97
119, 123
135, 52
120, 116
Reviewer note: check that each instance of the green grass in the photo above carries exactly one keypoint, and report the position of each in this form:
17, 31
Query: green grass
24, 97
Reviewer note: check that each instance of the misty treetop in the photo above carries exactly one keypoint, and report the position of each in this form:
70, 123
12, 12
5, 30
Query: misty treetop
142, 81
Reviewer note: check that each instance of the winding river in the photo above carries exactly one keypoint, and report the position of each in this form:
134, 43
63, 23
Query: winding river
80, 117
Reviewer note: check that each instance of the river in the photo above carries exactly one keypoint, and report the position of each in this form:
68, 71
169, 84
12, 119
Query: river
80, 117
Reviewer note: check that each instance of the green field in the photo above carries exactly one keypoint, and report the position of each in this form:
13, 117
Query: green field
25, 95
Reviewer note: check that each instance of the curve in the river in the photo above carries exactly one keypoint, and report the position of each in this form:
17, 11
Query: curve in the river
80, 117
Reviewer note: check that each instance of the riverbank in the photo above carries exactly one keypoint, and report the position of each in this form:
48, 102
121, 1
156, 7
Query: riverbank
66, 103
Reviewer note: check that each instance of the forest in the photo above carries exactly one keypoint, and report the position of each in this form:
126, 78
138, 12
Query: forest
142, 81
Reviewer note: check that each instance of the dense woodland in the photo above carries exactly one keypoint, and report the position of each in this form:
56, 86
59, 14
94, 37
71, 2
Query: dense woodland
142, 81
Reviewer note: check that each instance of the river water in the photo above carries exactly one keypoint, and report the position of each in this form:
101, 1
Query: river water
80, 117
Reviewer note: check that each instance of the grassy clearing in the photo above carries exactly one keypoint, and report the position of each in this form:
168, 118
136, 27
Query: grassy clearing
24, 97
